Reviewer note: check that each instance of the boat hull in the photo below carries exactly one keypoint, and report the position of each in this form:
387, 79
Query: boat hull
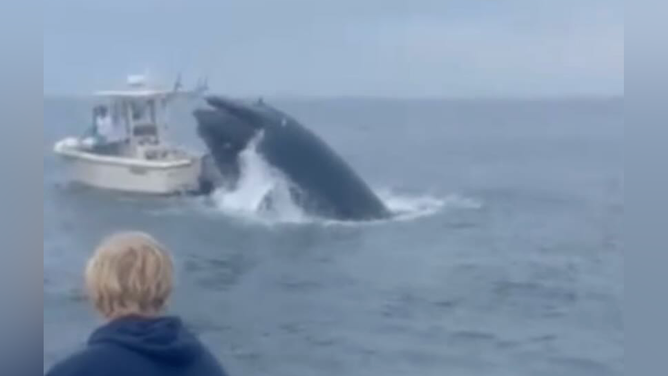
137, 176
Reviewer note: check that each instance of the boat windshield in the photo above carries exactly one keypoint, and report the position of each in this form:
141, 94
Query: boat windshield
143, 112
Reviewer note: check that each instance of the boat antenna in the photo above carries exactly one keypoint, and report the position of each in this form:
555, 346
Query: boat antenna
177, 84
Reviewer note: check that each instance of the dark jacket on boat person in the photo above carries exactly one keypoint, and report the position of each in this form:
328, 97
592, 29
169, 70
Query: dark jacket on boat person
134, 346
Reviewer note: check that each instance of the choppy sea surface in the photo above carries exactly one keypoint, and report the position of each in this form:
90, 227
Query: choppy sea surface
506, 257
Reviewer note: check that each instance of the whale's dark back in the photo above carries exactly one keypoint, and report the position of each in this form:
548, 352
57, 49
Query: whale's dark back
328, 185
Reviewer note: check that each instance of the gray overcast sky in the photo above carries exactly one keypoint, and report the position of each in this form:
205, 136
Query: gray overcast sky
398, 48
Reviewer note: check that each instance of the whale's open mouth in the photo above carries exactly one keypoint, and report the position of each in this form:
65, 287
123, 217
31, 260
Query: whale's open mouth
227, 128
227, 125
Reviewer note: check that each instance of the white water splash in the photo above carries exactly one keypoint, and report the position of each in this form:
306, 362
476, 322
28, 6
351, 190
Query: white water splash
258, 184
410, 207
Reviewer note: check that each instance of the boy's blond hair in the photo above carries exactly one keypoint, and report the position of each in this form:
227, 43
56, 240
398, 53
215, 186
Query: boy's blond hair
129, 274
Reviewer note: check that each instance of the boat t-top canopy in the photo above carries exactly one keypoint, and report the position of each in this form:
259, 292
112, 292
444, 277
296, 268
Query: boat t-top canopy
136, 94
138, 90
138, 108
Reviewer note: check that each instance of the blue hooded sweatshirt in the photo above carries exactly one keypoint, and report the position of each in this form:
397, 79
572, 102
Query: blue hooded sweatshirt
141, 347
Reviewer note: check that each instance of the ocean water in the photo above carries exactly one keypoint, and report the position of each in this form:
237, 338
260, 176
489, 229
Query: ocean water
506, 257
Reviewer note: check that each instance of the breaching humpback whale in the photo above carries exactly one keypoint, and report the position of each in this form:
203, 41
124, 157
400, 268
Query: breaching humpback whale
322, 183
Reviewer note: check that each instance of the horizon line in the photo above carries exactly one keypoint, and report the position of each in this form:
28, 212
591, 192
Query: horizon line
553, 97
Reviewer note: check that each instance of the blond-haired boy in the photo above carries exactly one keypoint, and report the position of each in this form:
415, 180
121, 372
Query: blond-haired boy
129, 280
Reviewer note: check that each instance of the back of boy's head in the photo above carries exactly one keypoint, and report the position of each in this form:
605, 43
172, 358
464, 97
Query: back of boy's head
129, 274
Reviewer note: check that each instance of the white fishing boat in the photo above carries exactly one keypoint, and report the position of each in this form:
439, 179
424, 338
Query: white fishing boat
126, 148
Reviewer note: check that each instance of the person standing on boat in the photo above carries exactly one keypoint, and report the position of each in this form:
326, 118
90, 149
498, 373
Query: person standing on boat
108, 135
129, 280
106, 127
